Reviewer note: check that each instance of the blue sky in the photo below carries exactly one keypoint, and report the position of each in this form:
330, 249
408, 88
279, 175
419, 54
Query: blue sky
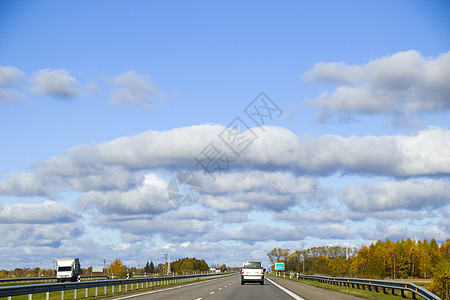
102, 103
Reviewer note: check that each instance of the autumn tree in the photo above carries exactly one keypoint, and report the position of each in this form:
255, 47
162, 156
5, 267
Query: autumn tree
278, 255
441, 280
18, 272
321, 265
223, 268
117, 268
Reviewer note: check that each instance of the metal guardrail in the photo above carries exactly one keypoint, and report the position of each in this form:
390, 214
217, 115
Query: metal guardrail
375, 285
9, 291
7, 280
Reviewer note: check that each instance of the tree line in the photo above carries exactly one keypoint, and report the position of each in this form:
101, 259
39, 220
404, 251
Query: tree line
381, 260
181, 266
118, 269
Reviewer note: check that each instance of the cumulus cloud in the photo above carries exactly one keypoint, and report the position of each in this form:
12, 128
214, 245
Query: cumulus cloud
385, 231
44, 213
233, 217
23, 184
409, 194
50, 235
131, 87
150, 197
330, 215
419, 154
9, 78
173, 226
252, 233
58, 84
405, 81
273, 163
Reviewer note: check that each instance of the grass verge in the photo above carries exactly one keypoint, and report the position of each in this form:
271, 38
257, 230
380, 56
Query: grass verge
102, 293
366, 294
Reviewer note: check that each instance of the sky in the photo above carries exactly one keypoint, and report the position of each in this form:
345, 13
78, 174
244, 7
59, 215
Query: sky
299, 124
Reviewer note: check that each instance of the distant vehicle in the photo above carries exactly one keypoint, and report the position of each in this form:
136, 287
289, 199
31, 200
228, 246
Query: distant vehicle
252, 271
67, 269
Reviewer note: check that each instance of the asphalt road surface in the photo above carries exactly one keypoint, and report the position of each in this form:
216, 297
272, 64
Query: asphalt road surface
231, 288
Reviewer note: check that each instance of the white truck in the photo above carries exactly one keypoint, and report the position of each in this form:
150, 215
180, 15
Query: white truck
67, 269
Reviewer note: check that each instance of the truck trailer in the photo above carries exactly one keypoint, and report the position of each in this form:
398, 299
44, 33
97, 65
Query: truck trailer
68, 269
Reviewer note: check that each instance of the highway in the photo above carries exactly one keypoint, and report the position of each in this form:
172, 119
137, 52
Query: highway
231, 288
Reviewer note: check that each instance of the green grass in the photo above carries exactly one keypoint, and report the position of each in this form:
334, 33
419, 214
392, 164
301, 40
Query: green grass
366, 294
100, 292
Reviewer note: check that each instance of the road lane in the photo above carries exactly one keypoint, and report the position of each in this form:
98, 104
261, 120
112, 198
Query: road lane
217, 289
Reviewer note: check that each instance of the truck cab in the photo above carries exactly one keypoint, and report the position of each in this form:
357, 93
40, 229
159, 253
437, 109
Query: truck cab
67, 269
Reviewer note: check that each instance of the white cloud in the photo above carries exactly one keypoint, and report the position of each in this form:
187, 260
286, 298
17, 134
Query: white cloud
404, 81
58, 84
173, 226
385, 231
116, 165
409, 194
23, 184
50, 235
150, 197
233, 217
9, 78
420, 154
44, 213
130, 87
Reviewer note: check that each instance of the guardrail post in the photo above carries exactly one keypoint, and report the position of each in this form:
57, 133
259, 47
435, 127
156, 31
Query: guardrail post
393, 292
403, 293
112, 289
414, 295
75, 294
120, 288
62, 295
96, 291
47, 296
86, 293
105, 290
126, 287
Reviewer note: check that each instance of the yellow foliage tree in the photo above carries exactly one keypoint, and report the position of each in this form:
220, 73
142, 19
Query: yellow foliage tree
117, 267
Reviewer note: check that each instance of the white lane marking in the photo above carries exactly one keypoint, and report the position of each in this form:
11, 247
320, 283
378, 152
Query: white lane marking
199, 299
295, 296
211, 293
220, 289
167, 289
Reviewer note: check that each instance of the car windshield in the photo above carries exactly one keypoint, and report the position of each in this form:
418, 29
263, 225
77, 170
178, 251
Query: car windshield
252, 265
62, 269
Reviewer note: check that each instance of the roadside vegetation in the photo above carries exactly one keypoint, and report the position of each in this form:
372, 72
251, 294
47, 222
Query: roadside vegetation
406, 260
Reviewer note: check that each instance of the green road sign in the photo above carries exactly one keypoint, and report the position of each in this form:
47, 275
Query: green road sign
279, 267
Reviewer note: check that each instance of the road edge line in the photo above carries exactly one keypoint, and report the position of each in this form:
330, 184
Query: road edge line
292, 294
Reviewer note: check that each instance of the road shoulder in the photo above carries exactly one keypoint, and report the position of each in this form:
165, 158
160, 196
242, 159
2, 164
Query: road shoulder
310, 292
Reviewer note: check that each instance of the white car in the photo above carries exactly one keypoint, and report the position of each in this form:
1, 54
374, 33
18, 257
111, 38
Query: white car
252, 271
